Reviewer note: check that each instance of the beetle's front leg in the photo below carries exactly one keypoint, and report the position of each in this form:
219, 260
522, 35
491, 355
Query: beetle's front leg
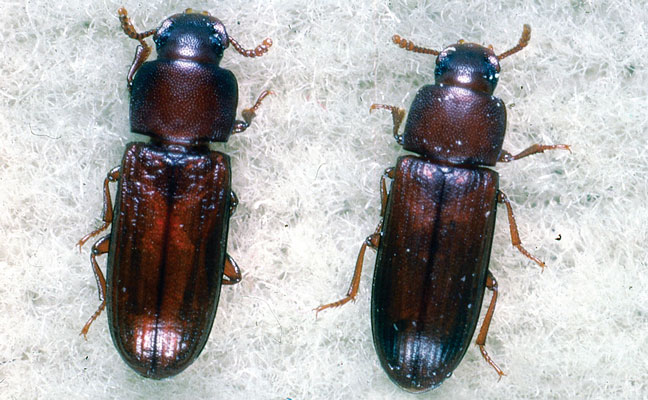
533, 149
398, 114
102, 246
143, 50
249, 113
107, 214
491, 284
515, 235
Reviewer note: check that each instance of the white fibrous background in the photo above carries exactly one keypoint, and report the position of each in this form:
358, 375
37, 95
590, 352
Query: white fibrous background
307, 173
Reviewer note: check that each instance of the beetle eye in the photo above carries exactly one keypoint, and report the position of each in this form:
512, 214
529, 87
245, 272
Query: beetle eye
217, 44
164, 27
162, 33
219, 38
492, 60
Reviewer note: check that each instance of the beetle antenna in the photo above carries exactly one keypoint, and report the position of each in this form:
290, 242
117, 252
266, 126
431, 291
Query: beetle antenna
257, 52
129, 29
410, 46
524, 40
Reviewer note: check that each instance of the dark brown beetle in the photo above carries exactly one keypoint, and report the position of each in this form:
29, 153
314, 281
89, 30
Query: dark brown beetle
434, 240
167, 247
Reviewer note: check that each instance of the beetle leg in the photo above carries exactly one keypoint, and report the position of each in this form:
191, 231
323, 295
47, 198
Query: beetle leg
142, 52
232, 271
249, 113
533, 149
384, 193
107, 218
100, 247
491, 284
515, 235
371, 241
398, 114
233, 202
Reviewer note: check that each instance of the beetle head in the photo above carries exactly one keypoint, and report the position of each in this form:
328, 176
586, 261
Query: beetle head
195, 36
468, 65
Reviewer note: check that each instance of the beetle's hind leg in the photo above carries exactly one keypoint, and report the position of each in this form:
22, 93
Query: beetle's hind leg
491, 284
100, 247
232, 271
515, 235
249, 113
107, 215
372, 241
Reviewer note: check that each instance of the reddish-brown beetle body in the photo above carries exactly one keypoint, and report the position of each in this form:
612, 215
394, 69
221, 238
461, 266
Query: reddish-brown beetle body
438, 225
431, 269
434, 241
167, 254
167, 247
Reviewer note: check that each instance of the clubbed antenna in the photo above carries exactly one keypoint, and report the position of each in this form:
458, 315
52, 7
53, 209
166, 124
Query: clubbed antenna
524, 40
257, 52
409, 46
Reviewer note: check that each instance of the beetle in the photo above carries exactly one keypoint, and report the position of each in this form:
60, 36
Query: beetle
167, 245
434, 239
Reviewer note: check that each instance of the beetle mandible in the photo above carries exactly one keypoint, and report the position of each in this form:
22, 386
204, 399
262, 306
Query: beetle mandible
167, 245
435, 236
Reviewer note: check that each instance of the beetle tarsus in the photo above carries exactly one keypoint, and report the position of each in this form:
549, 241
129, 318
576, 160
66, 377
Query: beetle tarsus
94, 316
533, 149
107, 214
249, 113
515, 234
492, 363
398, 114
101, 246
372, 241
491, 284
